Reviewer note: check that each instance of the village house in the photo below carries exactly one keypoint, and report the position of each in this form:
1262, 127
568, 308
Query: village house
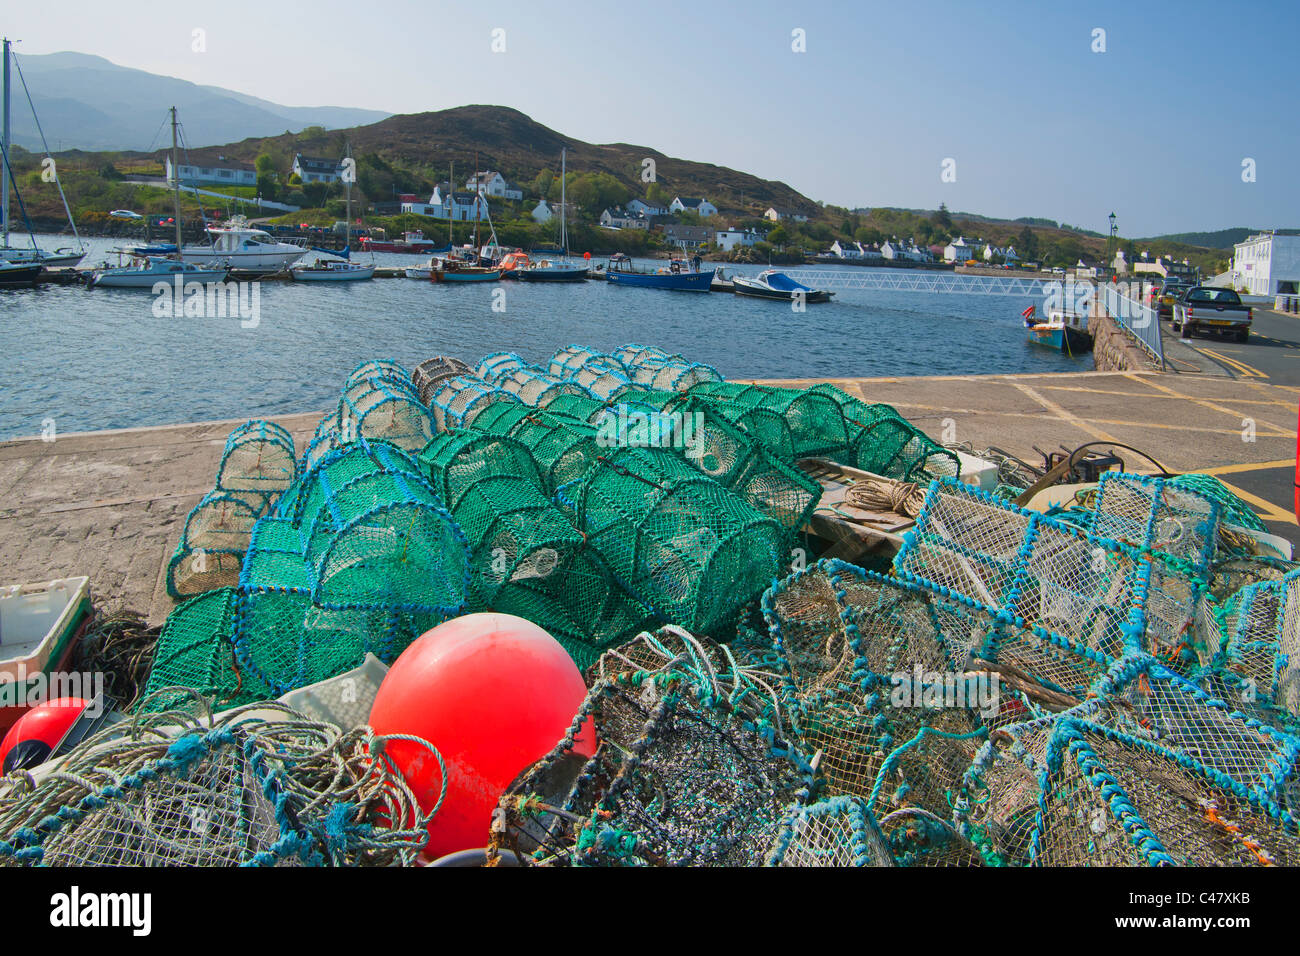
221, 170
314, 169
687, 237
693, 204
959, 250
620, 218
729, 239
776, 215
1267, 264
853, 250
448, 204
647, 209
897, 250
546, 211
492, 183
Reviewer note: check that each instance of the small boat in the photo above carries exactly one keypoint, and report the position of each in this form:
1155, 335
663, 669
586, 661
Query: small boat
548, 270
411, 242
146, 271
332, 270
514, 263
19, 273
454, 270
429, 270
153, 249
770, 284
1062, 331
245, 248
720, 281
678, 276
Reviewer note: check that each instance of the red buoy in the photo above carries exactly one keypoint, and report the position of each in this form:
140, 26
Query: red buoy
494, 693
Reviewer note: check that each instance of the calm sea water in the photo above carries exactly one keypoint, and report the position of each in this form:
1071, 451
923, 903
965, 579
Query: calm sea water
98, 358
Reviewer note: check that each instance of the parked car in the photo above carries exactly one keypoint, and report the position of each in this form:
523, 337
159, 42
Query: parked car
1206, 308
1163, 296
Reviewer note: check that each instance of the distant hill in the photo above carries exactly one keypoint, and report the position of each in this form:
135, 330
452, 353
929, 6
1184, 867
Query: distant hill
1221, 239
505, 139
87, 102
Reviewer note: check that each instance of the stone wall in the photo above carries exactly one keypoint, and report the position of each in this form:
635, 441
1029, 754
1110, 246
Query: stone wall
1113, 350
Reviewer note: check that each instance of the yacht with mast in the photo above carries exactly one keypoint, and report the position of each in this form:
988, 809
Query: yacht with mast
33, 254
561, 269
146, 271
337, 268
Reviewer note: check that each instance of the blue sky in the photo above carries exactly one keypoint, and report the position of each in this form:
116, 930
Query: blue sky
1155, 128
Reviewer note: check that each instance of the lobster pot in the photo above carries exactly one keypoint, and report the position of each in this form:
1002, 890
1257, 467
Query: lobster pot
494, 368
195, 651
212, 545
579, 408
534, 387
631, 356
430, 372
883, 442
1153, 513
602, 379
562, 448
839, 832
679, 542
324, 440
457, 459
385, 369
379, 409
566, 361
815, 421
672, 376
257, 463
458, 400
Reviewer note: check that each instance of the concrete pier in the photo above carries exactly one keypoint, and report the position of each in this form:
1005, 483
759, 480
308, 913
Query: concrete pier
112, 504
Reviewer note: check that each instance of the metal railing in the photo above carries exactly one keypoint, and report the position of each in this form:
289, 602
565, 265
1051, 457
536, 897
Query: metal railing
1140, 321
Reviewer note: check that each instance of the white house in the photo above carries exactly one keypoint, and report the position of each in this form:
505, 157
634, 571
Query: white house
728, 239
693, 204
313, 169
447, 204
1267, 264
647, 209
959, 250
228, 172
898, 250
620, 218
541, 212
776, 215
1010, 255
853, 250
687, 237
492, 183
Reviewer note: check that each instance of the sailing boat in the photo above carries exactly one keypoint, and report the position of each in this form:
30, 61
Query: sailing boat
337, 269
65, 256
557, 270
146, 271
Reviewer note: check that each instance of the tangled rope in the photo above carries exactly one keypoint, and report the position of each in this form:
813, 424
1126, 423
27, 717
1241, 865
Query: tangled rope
120, 646
885, 494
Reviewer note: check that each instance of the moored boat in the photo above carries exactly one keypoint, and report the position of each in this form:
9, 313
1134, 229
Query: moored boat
771, 284
411, 242
456, 271
1062, 331
678, 276
332, 270
19, 273
146, 271
548, 270
244, 247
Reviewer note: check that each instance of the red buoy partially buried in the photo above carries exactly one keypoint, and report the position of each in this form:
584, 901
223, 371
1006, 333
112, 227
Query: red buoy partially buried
494, 693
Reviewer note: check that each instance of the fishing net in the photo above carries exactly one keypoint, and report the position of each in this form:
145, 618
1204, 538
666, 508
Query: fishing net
881, 441
1231, 508
260, 786
494, 368
680, 543
1110, 798
687, 771
430, 372
601, 375
459, 399
838, 832
1157, 514
387, 409
1261, 633
537, 388
257, 464
121, 647
528, 560
563, 449
211, 549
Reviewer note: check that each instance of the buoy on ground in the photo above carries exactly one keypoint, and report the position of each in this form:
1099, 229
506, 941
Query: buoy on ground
494, 693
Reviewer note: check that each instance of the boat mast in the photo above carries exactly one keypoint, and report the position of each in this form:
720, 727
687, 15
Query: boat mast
564, 230
4, 204
347, 226
176, 188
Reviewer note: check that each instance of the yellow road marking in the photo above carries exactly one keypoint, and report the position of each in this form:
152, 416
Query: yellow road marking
1102, 391
1254, 466
1267, 510
1204, 403
1247, 370
1063, 414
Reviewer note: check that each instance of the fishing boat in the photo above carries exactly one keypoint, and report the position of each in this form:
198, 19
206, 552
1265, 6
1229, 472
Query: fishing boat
145, 271
245, 248
678, 275
329, 267
456, 270
413, 242
561, 269
430, 270
1062, 331
33, 254
20, 273
770, 284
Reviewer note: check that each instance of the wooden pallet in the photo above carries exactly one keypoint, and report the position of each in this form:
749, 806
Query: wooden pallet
853, 531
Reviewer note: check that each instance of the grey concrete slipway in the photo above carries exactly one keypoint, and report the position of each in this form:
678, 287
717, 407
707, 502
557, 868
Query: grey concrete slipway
111, 504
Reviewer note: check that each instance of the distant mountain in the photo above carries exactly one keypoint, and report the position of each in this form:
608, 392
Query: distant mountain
87, 102
505, 139
1221, 239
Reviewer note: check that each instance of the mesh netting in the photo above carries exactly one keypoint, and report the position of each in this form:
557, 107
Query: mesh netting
680, 543
1155, 513
257, 463
430, 372
603, 376
257, 787
563, 448
881, 441
814, 421
211, 549
459, 399
528, 560
687, 771
387, 409
533, 386
832, 833
494, 368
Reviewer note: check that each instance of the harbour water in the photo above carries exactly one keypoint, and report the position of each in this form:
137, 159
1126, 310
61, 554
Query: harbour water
85, 359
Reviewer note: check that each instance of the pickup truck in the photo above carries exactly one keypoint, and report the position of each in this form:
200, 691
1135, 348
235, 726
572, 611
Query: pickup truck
1206, 308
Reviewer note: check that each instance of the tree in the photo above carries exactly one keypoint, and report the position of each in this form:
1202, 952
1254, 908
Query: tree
941, 218
778, 236
1027, 244
264, 163
655, 194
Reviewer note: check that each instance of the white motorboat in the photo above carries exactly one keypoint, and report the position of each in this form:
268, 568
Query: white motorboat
332, 270
244, 247
145, 272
